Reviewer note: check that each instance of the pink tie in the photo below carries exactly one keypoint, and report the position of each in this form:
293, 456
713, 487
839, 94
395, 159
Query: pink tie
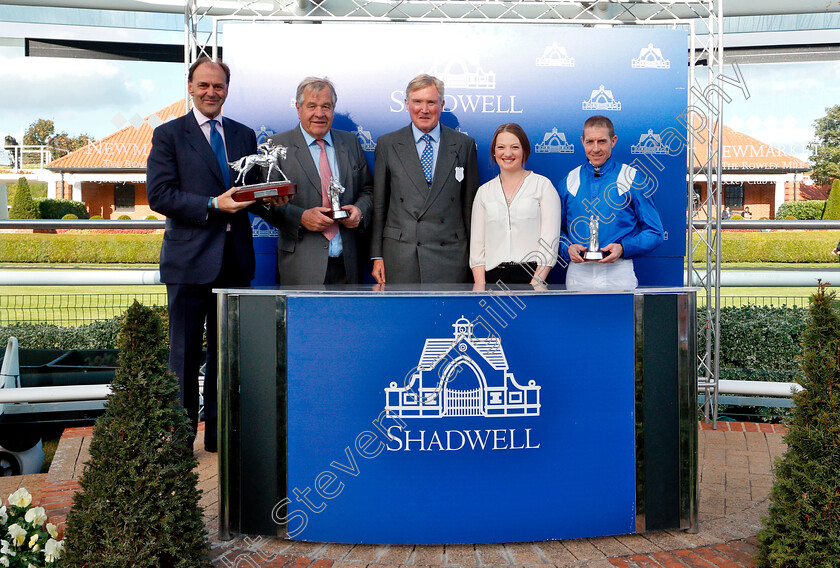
326, 174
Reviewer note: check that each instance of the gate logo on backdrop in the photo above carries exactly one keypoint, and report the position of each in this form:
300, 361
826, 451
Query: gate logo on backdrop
459, 74
651, 58
365, 139
650, 143
263, 134
601, 99
462, 375
261, 228
555, 56
554, 143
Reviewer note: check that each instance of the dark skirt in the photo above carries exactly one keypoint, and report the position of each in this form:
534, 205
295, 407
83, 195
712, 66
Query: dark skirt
512, 273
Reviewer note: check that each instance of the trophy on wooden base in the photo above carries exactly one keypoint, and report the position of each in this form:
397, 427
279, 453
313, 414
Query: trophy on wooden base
334, 192
268, 157
594, 252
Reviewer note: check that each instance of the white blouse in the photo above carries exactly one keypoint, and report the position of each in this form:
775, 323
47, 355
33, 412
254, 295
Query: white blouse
526, 231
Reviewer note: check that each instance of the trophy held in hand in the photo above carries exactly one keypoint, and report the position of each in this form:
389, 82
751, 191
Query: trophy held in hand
269, 157
594, 251
334, 192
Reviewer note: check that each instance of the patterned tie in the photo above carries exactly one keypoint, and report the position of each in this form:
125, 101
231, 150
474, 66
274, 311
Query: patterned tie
218, 146
426, 158
326, 173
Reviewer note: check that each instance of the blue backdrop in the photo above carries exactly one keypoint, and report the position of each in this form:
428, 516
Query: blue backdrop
563, 469
547, 78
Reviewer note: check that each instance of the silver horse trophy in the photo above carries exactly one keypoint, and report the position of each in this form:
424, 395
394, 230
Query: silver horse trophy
269, 156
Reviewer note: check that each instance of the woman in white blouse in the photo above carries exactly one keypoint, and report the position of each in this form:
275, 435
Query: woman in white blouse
515, 217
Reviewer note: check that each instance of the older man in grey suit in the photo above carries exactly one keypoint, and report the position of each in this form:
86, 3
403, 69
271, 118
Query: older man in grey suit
313, 248
425, 180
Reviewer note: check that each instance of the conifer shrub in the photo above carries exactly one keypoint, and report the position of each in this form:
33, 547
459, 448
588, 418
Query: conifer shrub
802, 529
832, 204
23, 207
138, 504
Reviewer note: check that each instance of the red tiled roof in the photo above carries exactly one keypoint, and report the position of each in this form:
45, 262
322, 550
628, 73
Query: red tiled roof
127, 148
813, 192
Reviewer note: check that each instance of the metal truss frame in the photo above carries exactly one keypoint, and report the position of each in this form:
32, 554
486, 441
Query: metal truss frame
702, 119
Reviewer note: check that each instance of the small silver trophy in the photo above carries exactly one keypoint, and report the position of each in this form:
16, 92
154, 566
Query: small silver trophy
269, 157
594, 251
334, 191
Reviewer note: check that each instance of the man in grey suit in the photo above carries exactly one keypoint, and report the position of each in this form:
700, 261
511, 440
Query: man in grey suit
425, 180
313, 248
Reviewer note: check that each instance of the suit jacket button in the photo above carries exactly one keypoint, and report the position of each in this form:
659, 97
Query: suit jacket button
401, 199
442, 220
326, 247
419, 244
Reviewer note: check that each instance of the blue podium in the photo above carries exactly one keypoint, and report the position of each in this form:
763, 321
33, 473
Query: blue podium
441, 415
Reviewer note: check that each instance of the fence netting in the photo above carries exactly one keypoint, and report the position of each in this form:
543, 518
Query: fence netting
70, 309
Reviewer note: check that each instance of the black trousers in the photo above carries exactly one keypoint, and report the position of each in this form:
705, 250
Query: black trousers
191, 306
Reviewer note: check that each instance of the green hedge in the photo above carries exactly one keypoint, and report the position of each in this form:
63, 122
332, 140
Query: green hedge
96, 335
778, 246
802, 210
58, 208
759, 343
85, 248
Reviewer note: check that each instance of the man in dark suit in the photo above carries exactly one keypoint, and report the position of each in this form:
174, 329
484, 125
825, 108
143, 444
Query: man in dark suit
312, 248
425, 180
207, 241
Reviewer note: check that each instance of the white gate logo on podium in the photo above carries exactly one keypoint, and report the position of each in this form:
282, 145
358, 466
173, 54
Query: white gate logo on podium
460, 376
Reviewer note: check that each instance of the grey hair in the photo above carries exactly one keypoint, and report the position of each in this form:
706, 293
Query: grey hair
421, 82
317, 84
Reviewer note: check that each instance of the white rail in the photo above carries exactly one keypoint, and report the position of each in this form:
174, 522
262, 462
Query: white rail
758, 388
93, 277
67, 393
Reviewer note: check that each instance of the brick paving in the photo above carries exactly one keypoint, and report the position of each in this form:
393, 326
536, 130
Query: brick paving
735, 464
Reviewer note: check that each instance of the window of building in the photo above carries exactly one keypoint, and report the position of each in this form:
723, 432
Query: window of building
733, 196
124, 197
